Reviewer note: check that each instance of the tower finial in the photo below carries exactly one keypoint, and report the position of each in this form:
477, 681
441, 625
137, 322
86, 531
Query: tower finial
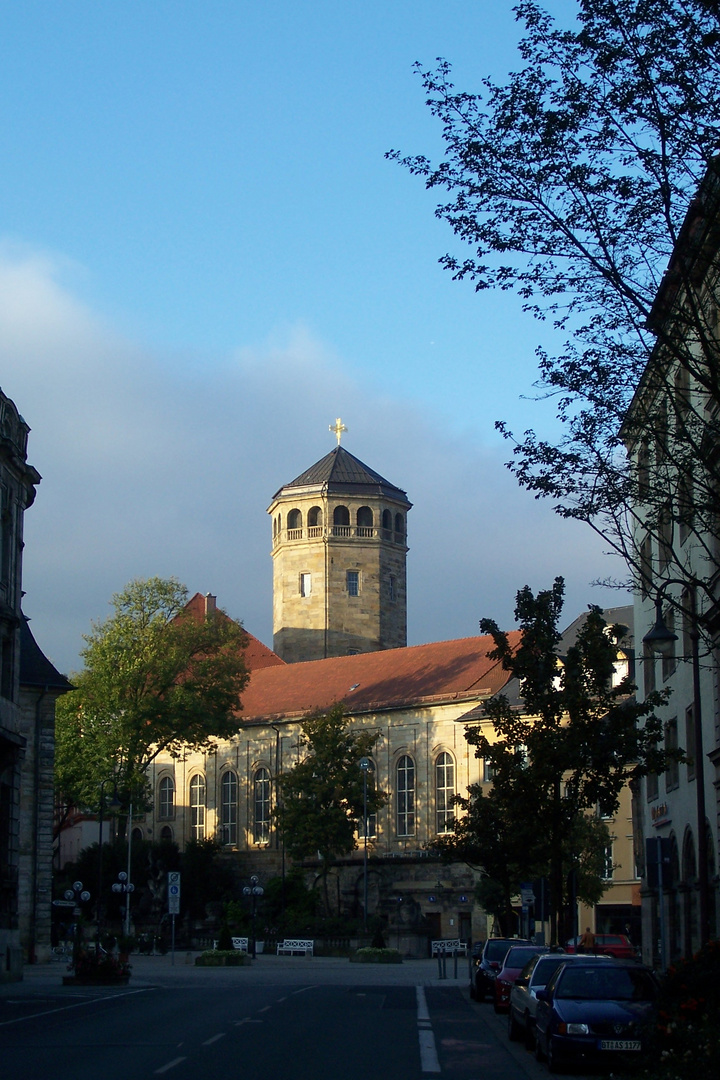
337, 429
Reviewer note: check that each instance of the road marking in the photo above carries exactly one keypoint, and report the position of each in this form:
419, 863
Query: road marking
247, 1020
65, 1008
170, 1065
209, 1042
281, 999
428, 1053
265, 1008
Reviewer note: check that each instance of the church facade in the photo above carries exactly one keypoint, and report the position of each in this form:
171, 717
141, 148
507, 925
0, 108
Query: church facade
339, 545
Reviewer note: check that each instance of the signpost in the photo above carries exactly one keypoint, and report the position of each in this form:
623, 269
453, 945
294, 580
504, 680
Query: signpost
173, 904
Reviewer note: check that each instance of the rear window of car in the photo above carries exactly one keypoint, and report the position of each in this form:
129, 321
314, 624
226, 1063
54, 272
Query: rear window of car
609, 939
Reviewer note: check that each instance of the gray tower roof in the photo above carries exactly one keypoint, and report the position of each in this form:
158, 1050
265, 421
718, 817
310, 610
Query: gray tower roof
340, 472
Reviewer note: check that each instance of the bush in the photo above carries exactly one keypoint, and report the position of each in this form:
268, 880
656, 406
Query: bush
376, 956
222, 958
688, 1033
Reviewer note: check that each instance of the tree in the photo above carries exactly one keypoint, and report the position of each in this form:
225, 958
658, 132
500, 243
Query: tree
156, 678
571, 183
322, 795
564, 756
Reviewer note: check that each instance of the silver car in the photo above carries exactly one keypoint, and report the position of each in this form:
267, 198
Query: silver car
535, 976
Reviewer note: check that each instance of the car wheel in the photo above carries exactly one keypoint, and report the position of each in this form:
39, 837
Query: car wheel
514, 1030
539, 1056
552, 1058
529, 1034
473, 992
479, 993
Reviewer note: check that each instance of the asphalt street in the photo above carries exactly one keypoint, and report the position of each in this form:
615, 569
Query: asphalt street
283, 1018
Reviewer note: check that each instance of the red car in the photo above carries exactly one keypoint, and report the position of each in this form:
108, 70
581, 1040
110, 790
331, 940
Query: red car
516, 959
617, 945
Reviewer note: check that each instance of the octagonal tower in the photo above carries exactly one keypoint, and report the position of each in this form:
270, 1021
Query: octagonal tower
339, 548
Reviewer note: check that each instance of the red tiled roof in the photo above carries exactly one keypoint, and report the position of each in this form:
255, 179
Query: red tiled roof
256, 654
440, 671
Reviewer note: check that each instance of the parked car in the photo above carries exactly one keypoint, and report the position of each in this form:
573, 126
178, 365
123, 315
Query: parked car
617, 945
535, 976
485, 967
515, 960
590, 1011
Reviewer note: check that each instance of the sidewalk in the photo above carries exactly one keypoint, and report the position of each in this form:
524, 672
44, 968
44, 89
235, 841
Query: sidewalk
265, 970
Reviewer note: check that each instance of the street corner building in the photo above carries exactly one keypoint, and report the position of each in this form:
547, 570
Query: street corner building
29, 687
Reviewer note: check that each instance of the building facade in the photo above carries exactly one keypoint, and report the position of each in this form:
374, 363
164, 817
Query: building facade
672, 434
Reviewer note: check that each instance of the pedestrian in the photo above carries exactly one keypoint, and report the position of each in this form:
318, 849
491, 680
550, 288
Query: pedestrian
587, 941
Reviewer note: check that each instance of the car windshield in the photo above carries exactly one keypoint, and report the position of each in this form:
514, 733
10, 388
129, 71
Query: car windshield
496, 950
605, 984
545, 969
517, 958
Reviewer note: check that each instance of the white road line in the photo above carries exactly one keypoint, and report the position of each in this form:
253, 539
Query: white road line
209, 1042
265, 1008
428, 1053
170, 1065
66, 1008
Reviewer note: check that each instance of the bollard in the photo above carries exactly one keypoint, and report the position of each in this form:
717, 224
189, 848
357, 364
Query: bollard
439, 959
455, 962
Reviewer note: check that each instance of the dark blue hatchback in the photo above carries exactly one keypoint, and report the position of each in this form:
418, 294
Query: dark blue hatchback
594, 1012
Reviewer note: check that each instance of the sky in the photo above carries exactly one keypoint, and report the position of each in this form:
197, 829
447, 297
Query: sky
205, 258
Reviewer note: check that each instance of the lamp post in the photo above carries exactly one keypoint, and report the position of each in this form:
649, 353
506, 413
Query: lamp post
115, 803
662, 640
365, 765
122, 885
80, 895
253, 891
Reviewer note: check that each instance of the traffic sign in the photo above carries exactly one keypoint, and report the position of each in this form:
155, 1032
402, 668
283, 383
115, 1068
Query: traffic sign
174, 892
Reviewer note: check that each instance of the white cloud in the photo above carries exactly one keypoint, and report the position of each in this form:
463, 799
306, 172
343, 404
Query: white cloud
153, 464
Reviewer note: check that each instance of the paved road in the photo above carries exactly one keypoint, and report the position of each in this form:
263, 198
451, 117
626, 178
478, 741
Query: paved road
284, 1018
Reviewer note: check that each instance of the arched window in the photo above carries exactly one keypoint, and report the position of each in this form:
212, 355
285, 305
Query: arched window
399, 526
444, 791
137, 834
341, 515
405, 773
197, 807
387, 522
228, 808
294, 525
261, 832
166, 834
365, 521
314, 520
166, 798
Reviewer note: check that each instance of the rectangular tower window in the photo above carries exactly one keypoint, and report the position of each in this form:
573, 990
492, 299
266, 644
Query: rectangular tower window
305, 584
391, 587
353, 582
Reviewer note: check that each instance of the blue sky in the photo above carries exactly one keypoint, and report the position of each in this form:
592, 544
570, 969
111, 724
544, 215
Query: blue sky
205, 258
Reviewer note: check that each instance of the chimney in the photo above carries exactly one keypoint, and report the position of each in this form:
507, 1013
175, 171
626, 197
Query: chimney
210, 604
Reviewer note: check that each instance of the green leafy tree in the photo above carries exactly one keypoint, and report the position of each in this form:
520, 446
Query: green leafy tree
579, 737
322, 795
156, 678
575, 183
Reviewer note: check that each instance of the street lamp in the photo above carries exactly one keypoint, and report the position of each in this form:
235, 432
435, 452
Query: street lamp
662, 640
122, 885
253, 891
79, 895
365, 765
114, 805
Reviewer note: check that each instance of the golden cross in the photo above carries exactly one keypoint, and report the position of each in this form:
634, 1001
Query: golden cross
337, 429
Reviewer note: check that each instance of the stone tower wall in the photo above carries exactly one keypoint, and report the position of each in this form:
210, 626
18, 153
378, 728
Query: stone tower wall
327, 620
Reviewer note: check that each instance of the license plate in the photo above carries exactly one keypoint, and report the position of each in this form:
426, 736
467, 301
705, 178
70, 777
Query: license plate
620, 1044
